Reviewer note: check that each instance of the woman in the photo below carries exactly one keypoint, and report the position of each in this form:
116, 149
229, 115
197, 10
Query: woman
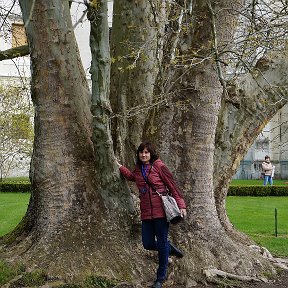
268, 171
151, 174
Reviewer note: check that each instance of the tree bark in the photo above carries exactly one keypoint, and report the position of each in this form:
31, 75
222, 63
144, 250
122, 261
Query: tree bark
109, 179
14, 52
137, 40
185, 130
63, 151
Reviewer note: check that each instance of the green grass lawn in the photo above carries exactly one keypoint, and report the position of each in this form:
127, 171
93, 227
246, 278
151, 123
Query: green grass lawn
12, 209
255, 217
255, 182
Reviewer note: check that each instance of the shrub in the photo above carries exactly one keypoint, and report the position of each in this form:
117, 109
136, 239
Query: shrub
258, 191
15, 187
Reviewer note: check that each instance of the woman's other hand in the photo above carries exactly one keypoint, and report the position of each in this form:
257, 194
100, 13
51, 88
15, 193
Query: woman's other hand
183, 213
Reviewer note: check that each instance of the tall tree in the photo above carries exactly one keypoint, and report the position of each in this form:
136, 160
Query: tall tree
186, 129
169, 62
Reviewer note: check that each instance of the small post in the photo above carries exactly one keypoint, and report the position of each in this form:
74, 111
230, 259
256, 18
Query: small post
276, 224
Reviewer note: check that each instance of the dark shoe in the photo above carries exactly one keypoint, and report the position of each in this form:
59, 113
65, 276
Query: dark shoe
157, 284
174, 251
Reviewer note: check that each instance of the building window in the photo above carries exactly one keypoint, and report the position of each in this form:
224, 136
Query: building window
18, 35
257, 166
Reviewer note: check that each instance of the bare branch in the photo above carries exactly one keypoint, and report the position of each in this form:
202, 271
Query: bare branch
14, 52
30, 14
4, 20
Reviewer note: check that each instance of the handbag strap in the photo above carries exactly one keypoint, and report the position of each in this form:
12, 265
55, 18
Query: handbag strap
146, 179
154, 189
150, 185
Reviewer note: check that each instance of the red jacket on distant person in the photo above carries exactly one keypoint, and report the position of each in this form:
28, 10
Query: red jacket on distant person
160, 178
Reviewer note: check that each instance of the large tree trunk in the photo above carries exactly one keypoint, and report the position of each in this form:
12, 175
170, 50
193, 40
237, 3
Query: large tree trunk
137, 40
75, 224
185, 130
62, 166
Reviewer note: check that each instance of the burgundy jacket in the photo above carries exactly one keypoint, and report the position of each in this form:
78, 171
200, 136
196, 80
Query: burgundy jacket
159, 177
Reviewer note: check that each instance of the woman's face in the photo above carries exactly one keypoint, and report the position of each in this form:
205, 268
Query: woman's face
145, 156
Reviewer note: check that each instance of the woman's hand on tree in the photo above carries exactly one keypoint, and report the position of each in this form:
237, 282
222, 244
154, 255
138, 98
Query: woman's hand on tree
118, 163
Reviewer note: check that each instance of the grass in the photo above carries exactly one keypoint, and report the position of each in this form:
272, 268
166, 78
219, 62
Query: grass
8, 272
256, 217
256, 182
12, 209
37, 278
16, 180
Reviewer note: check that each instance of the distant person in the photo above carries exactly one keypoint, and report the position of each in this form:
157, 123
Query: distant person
268, 171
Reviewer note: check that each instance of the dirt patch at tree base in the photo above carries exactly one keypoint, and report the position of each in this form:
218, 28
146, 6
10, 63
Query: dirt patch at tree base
280, 281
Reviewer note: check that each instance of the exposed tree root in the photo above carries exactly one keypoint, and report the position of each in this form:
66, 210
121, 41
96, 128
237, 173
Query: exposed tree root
279, 262
212, 273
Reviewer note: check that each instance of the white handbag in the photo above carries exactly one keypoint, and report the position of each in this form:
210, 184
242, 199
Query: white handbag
172, 211
171, 208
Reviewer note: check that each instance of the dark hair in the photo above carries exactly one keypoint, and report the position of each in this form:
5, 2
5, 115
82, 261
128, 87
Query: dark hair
151, 148
267, 157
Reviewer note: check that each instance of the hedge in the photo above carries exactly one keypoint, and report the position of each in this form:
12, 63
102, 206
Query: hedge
15, 187
258, 191
232, 191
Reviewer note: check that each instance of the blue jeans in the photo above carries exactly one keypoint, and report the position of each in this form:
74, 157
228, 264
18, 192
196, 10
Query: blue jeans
158, 228
267, 179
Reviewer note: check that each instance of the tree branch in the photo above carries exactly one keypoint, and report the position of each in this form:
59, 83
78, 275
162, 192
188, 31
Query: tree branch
216, 52
14, 52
